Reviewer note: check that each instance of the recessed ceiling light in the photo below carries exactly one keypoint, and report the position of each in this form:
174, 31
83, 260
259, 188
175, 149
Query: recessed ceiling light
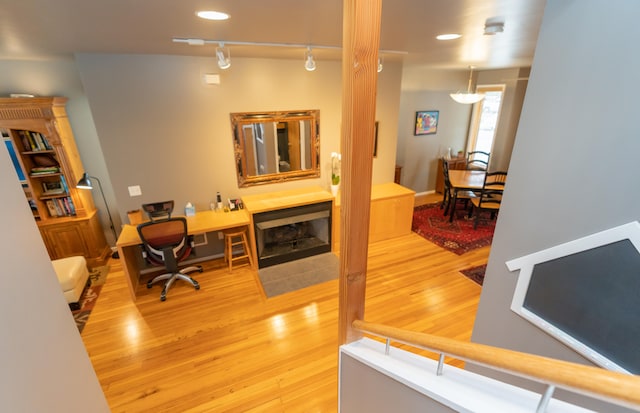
212, 15
449, 36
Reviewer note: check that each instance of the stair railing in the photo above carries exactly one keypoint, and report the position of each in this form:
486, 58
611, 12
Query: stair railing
618, 388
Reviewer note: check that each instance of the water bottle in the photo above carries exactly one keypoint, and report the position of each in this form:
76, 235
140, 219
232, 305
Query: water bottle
219, 201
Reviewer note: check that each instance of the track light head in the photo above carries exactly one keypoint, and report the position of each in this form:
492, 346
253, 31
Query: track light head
223, 62
493, 26
309, 63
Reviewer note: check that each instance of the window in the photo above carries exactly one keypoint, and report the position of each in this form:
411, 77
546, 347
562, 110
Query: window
485, 117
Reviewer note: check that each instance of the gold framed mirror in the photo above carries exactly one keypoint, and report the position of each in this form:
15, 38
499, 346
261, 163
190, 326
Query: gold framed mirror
273, 147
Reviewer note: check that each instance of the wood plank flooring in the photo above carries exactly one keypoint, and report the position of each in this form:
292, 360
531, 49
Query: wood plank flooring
226, 348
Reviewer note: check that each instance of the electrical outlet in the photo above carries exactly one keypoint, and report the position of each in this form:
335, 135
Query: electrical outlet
135, 190
220, 235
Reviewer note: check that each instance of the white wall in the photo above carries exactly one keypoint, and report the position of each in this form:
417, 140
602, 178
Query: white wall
574, 168
162, 129
45, 367
59, 77
427, 89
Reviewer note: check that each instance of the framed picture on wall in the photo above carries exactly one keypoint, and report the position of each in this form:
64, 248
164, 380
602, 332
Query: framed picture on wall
426, 122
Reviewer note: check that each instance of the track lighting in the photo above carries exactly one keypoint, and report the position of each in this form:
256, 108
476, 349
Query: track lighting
223, 54
493, 26
309, 60
309, 63
223, 62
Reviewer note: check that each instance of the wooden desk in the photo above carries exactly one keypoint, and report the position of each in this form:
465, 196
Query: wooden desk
464, 181
202, 222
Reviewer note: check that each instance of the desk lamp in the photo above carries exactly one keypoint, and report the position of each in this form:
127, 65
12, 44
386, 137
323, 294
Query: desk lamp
85, 183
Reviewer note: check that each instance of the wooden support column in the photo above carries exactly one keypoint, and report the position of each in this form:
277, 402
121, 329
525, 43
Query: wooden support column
360, 42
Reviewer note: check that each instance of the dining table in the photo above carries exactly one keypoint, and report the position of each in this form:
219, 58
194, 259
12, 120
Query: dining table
465, 180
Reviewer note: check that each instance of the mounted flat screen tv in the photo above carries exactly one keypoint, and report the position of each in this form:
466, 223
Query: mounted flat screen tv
586, 294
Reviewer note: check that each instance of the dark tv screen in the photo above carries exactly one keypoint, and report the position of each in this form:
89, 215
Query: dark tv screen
593, 297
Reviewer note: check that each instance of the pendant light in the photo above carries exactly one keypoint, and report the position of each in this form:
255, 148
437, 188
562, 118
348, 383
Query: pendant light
467, 97
309, 63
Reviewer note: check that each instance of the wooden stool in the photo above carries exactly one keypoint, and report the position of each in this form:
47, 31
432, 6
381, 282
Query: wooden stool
236, 236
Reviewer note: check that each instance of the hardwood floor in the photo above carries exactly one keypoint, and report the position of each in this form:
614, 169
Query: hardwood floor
226, 348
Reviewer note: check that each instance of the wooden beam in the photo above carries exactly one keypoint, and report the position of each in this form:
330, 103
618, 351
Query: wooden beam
361, 40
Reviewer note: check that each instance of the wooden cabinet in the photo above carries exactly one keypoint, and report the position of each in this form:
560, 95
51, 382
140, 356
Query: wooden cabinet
391, 213
37, 133
454, 163
398, 174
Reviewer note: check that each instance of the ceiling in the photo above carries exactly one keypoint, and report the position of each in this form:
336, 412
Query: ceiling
39, 29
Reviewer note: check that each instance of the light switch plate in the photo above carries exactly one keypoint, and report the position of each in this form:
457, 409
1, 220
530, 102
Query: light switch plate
135, 190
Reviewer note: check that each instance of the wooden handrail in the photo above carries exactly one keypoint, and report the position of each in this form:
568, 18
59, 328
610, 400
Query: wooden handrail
619, 388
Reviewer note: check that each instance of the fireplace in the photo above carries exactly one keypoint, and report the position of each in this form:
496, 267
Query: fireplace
292, 233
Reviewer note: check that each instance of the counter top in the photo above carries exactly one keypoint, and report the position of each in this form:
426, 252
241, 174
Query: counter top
385, 191
285, 199
201, 222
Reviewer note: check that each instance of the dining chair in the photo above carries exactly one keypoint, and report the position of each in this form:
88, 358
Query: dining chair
478, 160
490, 197
449, 195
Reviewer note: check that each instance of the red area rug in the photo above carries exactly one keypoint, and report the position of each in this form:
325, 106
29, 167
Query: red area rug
458, 236
475, 274
98, 276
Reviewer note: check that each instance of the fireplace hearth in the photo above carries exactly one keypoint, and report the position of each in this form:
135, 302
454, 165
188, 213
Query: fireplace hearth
290, 234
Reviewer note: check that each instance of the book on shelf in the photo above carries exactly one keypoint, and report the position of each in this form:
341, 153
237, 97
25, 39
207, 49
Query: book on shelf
51, 208
60, 207
43, 141
68, 205
33, 141
72, 207
26, 142
63, 182
44, 170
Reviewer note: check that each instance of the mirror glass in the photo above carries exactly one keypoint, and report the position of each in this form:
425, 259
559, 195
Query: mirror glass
276, 146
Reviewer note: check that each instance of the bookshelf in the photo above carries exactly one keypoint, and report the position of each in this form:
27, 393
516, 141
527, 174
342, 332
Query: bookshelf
38, 136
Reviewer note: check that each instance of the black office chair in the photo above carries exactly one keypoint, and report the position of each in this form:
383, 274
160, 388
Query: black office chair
166, 243
157, 211
478, 160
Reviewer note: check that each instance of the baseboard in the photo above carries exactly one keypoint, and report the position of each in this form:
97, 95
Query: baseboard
427, 197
